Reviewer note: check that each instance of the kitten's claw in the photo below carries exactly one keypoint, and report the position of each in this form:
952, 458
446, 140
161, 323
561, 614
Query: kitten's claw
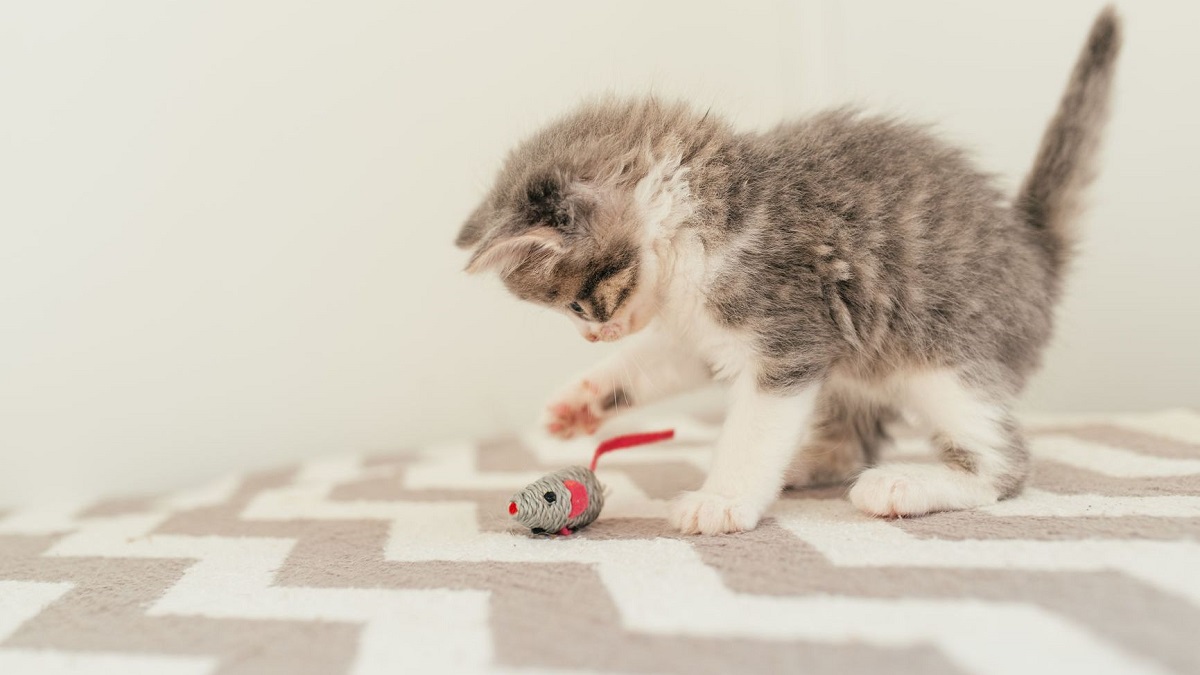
578, 410
703, 512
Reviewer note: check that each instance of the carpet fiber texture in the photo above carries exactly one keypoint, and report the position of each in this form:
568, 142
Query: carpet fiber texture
406, 563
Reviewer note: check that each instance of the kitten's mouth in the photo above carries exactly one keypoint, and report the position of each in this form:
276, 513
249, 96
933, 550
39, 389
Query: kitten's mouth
615, 330
611, 333
606, 333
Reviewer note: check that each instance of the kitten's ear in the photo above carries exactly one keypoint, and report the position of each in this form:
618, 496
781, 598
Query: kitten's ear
506, 253
476, 226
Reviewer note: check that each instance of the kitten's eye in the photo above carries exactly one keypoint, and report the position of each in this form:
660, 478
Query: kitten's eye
575, 307
550, 497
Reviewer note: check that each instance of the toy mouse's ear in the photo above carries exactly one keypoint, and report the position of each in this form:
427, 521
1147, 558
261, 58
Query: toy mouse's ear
579, 497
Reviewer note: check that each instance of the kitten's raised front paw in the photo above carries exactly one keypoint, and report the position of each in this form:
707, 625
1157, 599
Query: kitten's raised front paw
703, 512
580, 409
898, 490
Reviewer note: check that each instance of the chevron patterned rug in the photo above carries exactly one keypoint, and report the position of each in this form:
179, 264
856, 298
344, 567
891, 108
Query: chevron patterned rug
405, 564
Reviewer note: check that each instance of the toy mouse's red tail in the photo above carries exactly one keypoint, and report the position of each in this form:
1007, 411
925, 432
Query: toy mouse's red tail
629, 441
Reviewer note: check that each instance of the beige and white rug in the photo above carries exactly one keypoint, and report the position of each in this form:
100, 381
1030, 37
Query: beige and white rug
402, 564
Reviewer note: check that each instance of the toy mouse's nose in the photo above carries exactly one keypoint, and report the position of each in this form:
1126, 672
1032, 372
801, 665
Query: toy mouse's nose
512, 508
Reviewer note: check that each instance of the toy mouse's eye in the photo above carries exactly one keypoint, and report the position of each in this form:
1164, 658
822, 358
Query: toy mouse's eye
575, 307
550, 497
538, 530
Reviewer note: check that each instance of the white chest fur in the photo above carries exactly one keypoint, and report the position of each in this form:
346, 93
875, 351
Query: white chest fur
685, 314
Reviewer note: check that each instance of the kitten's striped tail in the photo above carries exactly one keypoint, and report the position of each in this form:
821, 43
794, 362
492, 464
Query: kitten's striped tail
1066, 161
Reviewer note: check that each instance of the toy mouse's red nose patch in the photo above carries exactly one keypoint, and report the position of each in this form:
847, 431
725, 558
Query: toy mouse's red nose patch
512, 508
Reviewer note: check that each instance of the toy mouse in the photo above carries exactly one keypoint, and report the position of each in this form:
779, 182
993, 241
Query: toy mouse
571, 498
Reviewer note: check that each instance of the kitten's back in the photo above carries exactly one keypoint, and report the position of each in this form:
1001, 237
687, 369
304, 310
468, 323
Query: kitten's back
918, 255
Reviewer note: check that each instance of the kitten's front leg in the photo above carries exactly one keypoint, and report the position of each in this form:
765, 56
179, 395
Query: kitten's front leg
752, 455
650, 367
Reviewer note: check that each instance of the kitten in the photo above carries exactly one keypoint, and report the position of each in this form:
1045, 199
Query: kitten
838, 271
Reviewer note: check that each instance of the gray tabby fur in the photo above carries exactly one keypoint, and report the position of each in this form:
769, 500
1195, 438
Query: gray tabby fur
855, 246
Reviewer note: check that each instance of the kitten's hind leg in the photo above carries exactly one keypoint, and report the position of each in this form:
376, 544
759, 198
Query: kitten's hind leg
983, 457
846, 436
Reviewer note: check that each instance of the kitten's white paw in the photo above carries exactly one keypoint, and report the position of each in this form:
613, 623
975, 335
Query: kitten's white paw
897, 490
703, 512
578, 410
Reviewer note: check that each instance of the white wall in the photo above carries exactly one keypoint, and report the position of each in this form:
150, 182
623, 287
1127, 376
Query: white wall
225, 227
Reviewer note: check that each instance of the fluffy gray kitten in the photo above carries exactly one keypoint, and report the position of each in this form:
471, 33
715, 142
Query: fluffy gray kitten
840, 271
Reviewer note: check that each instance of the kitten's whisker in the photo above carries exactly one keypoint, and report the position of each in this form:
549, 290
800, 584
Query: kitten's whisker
650, 383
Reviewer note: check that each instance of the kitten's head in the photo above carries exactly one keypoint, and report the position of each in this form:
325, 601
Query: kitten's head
570, 219
577, 248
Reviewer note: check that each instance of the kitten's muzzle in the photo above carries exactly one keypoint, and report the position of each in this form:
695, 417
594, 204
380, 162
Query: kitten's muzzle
612, 331
606, 332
